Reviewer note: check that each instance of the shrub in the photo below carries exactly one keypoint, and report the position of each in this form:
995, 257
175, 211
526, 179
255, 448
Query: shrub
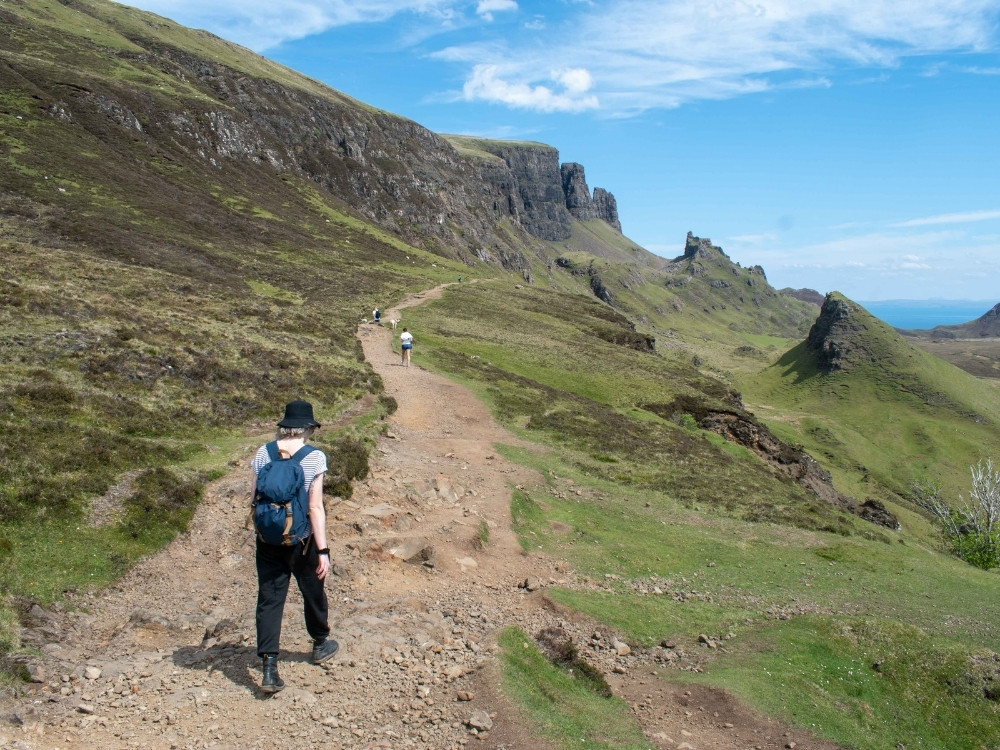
348, 460
389, 403
161, 505
972, 528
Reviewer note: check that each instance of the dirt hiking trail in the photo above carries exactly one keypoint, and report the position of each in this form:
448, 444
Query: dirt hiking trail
167, 658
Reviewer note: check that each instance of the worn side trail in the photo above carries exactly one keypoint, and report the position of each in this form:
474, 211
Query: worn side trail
166, 658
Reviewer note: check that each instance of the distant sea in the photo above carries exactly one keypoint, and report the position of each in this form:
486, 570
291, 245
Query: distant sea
917, 314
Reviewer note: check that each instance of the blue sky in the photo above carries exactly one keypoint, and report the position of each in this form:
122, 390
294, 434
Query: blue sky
849, 145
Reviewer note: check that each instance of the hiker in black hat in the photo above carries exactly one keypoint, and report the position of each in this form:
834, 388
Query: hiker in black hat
290, 520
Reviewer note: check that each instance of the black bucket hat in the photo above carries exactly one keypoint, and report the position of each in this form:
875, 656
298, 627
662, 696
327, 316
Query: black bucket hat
298, 414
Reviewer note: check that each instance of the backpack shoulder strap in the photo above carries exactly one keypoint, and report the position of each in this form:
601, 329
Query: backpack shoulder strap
302, 452
272, 450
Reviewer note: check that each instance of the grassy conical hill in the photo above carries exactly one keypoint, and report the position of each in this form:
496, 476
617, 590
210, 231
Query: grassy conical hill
701, 305
877, 410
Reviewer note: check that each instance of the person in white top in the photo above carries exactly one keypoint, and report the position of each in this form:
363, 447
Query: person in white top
406, 340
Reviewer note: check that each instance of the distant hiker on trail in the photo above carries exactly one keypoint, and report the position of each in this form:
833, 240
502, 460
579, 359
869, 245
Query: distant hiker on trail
376, 316
290, 521
406, 339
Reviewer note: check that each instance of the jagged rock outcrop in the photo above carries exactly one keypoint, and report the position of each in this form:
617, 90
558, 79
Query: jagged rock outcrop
835, 338
578, 199
741, 427
701, 248
607, 208
598, 287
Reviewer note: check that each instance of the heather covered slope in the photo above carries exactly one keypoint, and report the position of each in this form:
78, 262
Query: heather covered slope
190, 237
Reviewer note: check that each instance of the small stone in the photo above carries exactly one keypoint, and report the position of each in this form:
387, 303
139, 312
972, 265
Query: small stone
92, 673
36, 673
465, 695
481, 721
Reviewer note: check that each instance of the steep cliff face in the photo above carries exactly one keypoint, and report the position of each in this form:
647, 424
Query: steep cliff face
537, 188
390, 170
192, 101
607, 208
579, 202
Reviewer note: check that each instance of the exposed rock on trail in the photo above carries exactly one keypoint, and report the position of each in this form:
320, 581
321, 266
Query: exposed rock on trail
166, 658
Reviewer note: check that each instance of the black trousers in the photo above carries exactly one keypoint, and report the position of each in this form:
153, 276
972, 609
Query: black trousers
275, 565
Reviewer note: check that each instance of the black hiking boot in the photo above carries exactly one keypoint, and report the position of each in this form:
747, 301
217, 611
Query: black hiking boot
271, 683
323, 650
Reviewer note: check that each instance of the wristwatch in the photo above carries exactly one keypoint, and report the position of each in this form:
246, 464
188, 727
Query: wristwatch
324, 551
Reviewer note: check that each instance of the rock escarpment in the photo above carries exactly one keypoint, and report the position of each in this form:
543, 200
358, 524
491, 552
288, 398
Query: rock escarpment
579, 202
226, 116
836, 338
701, 248
739, 426
534, 188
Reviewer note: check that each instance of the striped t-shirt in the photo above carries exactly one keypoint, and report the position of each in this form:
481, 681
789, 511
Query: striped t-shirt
312, 465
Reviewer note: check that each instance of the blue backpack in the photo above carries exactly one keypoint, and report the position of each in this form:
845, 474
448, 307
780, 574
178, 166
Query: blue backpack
281, 504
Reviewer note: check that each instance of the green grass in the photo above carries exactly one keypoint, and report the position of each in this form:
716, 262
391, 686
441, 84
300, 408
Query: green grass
866, 683
797, 609
555, 368
562, 706
672, 533
938, 419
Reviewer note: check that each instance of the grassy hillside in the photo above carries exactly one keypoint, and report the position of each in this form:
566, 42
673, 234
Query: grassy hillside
821, 619
158, 299
154, 302
896, 416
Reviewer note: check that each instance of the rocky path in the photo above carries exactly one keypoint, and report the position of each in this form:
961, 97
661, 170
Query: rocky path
166, 658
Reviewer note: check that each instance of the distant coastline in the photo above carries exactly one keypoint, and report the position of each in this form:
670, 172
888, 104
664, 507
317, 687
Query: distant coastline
922, 314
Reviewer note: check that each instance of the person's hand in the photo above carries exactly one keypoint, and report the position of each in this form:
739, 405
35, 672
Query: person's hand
323, 567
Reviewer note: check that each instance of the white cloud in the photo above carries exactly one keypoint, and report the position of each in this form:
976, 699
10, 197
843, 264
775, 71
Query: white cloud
865, 266
640, 54
487, 8
576, 80
958, 218
649, 54
486, 84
